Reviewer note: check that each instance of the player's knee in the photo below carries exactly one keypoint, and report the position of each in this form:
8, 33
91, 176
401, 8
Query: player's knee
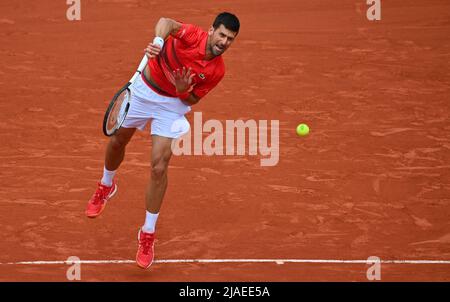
159, 171
118, 142
159, 167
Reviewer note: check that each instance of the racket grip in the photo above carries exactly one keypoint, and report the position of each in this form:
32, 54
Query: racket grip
144, 62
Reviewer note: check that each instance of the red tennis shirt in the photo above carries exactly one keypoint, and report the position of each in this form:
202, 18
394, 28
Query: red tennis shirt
187, 48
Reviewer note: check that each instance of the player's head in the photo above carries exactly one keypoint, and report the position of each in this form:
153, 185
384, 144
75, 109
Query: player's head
222, 32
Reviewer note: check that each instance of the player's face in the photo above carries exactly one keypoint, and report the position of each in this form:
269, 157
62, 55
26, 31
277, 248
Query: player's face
220, 39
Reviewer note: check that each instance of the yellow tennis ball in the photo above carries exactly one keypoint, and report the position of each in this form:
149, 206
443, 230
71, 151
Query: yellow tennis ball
302, 129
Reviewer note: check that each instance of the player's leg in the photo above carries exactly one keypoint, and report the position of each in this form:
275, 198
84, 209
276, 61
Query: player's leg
165, 128
115, 150
161, 154
106, 188
137, 117
115, 153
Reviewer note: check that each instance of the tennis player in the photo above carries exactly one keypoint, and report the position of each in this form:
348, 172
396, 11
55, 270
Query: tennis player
185, 63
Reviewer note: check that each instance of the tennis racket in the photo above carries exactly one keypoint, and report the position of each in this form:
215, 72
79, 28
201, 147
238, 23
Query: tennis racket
120, 103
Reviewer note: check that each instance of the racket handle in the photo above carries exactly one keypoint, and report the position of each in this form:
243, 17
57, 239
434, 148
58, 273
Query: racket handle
144, 62
141, 67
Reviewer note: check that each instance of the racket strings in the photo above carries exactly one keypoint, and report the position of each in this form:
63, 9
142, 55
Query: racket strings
118, 111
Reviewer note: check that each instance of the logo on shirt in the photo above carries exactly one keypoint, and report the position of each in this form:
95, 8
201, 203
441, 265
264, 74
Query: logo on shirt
201, 76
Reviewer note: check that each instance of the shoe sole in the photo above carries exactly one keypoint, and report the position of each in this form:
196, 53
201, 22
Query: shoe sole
111, 195
137, 262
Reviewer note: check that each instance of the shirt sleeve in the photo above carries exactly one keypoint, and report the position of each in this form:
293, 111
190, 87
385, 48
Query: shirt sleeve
188, 33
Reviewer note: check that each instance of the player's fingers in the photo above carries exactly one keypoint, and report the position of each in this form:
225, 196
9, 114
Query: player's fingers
148, 54
154, 51
188, 73
155, 46
151, 49
191, 78
191, 87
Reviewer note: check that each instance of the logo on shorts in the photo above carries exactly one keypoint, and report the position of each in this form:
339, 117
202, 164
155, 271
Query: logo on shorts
202, 76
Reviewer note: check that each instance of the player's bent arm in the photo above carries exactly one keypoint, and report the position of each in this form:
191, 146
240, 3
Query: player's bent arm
166, 27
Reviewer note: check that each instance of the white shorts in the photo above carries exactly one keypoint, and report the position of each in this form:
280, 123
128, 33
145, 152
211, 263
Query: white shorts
166, 113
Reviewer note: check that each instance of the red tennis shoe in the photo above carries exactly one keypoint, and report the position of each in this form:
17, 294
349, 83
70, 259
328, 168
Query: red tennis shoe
145, 253
98, 201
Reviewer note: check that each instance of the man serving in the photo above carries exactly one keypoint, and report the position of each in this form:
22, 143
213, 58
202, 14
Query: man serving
185, 63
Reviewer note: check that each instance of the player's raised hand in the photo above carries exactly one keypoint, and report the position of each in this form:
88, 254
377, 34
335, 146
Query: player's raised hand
152, 50
183, 79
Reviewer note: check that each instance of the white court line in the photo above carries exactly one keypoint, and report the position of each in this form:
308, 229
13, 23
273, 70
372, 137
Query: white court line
277, 261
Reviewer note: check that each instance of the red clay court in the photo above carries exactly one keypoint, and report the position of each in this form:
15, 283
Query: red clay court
371, 179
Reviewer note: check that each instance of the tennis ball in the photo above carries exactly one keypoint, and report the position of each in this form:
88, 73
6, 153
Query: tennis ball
302, 129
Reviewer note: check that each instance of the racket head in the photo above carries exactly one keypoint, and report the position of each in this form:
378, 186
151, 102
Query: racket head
117, 111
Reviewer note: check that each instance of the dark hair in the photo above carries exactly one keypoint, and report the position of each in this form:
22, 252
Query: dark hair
228, 20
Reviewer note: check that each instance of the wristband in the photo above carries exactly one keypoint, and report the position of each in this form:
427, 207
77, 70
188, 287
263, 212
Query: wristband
158, 41
183, 95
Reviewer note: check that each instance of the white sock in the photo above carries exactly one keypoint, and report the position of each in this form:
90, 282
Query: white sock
150, 222
107, 177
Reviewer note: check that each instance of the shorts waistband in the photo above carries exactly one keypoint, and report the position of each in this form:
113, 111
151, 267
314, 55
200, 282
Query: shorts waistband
154, 87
